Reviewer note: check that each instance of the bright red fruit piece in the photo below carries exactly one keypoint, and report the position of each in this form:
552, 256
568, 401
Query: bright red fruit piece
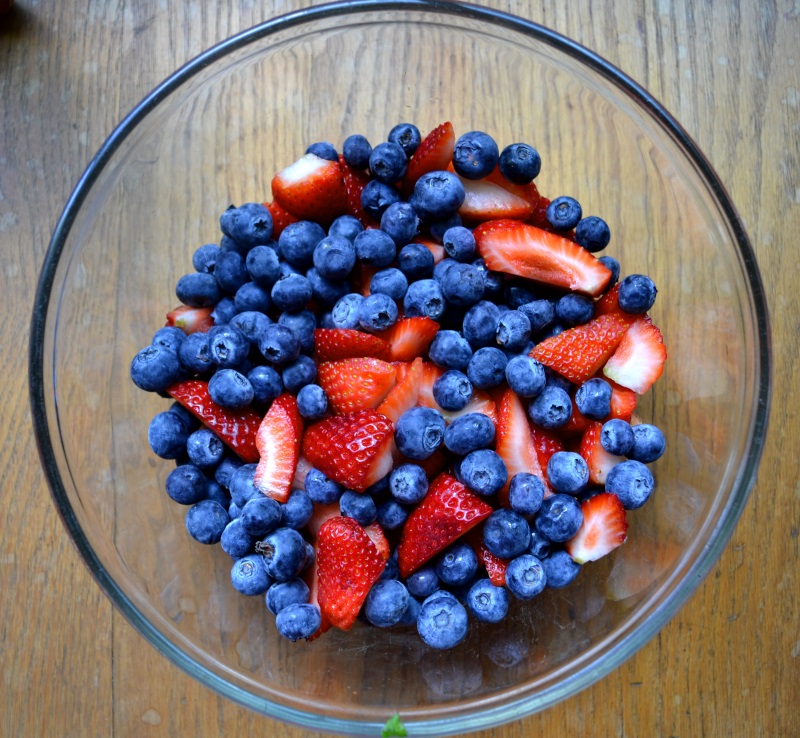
604, 527
355, 384
333, 344
191, 320
639, 360
433, 154
311, 189
447, 512
354, 183
487, 201
410, 337
280, 218
436, 249
278, 443
354, 449
517, 248
481, 402
623, 401
494, 565
528, 192
405, 393
608, 303
236, 428
546, 444
348, 564
430, 373
599, 461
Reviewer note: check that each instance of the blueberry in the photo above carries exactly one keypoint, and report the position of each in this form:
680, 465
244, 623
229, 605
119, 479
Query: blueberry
266, 383
326, 291
218, 493
230, 271
554, 379
282, 594
613, 266
632, 482
235, 540
312, 402
204, 259
250, 297
346, 310
493, 281
233, 511
552, 408
441, 269
291, 293
391, 282
284, 553
419, 432
480, 324
227, 346
592, 233
408, 484
559, 518
593, 399
226, 469
475, 155
334, 257
242, 487
167, 435
388, 162
248, 225
459, 244
260, 515
423, 582
187, 417
186, 484
487, 367
297, 242
540, 546
648, 443
320, 489
411, 613
463, 285
324, 150
263, 266
407, 136
198, 289
347, 227
525, 493
563, 213
356, 151
400, 221
506, 533
487, 603
616, 437
513, 330
360, 507
442, 622
249, 575
560, 569
424, 298
205, 449
169, 337
377, 313
483, 472
517, 295
469, 433
452, 391
415, 261
437, 195
206, 520
525, 376
449, 349
392, 568
155, 368
299, 373
574, 309
303, 325
376, 197
297, 510
230, 389
540, 313
525, 577
637, 293
298, 621
568, 472
386, 602
279, 344
391, 515
457, 564
520, 163
438, 228
375, 248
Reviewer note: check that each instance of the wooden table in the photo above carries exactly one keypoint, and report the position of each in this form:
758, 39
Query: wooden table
727, 665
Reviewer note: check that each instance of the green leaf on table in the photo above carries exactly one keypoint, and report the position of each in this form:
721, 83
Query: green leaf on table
394, 727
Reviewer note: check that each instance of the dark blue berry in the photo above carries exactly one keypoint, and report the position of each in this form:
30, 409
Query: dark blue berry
493, 281
401, 222
637, 293
266, 383
406, 136
204, 259
574, 309
480, 324
299, 373
437, 195
513, 330
525, 376
483, 472
186, 416
230, 271
376, 197
377, 313
230, 389
248, 225
419, 432
235, 540
204, 448
155, 368
324, 150
386, 602
326, 291
260, 515
284, 553
459, 244
263, 266
450, 350
632, 482
415, 261
560, 569
167, 435
616, 437
227, 346
440, 227
525, 577
423, 582
346, 226
408, 484
345, 311
559, 518
242, 487
218, 493
186, 484
312, 402
487, 603
252, 323
225, 470
360, 507
442, 622
520, 163
291, 293
297, 510
452, 391
457, 564
303, 324
388, 162
391, 282
356, 151
334, 257
613, 266
506, 533
469, 433
540, 313
516, 296
169, 337
297, 242
475, 155
206, 520
375, 248
540, 546
298, 621
568, 472
487, 367
279, 344
392, 515
282, 594
592, 233
463, 285
249, 575
525, 493
251, 297
424, 298
563, 213
648, 443
593, 399
552, 408
320, 489
225, 310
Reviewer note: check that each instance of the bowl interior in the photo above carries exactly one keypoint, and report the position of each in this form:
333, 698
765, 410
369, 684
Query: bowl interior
216, 136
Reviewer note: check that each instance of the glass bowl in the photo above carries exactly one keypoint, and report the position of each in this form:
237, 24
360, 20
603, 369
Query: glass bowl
213, 134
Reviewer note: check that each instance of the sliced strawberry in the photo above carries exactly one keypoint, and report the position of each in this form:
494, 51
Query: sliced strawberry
623, 401
321, 514
604, 528
377, 536
494, 565
236, 428
546, 444
355, 384
348, 564
436, 249
405, 393
278, 442
639, 360
354, 449
430, 373
354, 183
481, 402
311, 189
311, 578
539, 216
300, 473
401, 368
333, 344
599, 461
577, 422
447, 512
433, 154
579, 352
280, 218
487, 201
410, 337
517, 248
528, 192
608, 303
191, 320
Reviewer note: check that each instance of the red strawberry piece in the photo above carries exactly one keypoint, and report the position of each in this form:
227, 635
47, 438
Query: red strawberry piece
364, 277
430, 373
280, 218
405, 393
487, 201
436, 249
321, 514
517, 248
354, 183
604, 528
377, 536
546, 444
599, 461
278, 442
623, 401
236, 428
528, 192
639, 360
191, 320
446, 513
539, 216
311, 578
355, 384
300, 473
401, 368
433, 154
481, 402
348, 564
608, 303
577, 422
333, 344
580, 352
354, 449
410, 337
494, 565
311, 189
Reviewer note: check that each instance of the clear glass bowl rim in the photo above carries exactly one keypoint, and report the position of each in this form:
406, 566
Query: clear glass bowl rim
520, 706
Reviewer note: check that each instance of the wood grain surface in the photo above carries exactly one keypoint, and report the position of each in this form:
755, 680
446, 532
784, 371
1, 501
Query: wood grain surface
729, 662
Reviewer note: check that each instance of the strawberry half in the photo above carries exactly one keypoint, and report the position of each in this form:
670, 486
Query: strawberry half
604, 528
433, 154
280, 218
191, 320
354, 183
599, 461
348, 564
236, 428
311, 189
494, 565
410, 337
528, 192
436, 249
639, 360
517, 248
354, 449
333, 344
430, 373
405, 393
481, 402
608, 303
487, 201
623, 401
355, 384
546, 444
580, 352
278, 443
447, 512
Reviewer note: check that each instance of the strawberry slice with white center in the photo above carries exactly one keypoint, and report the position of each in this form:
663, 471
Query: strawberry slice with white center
311, 189
300, 473
190, 319
354, 183
623, 401
278, 443
410, 337
599, 461
334, 344
639, 359
528, 192
405, 393
512, 247
430, 373
487, 201
433, 154
546, 444
280, 218
356, 384
604, 528
481, 402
